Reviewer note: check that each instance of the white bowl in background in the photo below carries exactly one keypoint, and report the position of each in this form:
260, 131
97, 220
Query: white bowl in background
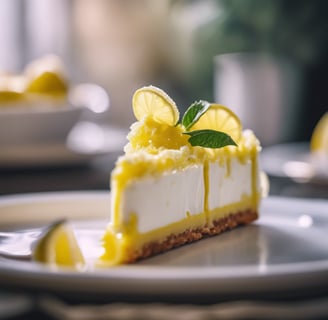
48, 123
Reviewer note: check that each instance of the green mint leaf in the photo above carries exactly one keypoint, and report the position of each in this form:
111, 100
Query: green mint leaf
210, 139
194, 112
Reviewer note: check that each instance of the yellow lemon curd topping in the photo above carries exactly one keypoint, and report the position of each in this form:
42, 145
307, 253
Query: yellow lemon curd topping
156, 149
153, 136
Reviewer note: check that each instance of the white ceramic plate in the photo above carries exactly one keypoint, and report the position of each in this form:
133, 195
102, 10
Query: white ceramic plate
286, 249
293, 160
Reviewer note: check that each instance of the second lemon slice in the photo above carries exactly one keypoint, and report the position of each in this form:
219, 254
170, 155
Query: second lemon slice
220, 118
154, 102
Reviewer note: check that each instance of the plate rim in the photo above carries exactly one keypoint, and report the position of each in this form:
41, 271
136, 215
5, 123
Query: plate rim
312, 272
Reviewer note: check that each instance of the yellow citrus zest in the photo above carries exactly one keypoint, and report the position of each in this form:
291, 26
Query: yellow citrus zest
220, 118
155, 103
319, 139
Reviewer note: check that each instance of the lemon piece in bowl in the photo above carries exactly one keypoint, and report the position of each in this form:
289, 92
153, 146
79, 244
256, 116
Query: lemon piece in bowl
10, 97
47, 82
319, 139
155, 103
46, 76
57, 246
220, 118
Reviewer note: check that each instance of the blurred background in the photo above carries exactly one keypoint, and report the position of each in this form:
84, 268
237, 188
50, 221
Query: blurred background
265, 59
123, 45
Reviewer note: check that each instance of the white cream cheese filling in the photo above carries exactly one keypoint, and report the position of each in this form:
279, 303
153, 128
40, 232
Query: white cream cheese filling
170, 197
229, 185
165, 199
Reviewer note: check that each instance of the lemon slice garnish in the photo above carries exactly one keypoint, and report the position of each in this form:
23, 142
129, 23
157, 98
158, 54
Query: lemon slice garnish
154, 102
220, 118
319, 139
58, 246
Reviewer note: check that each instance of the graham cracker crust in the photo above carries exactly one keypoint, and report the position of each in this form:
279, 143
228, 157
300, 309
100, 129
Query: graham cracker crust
176, 240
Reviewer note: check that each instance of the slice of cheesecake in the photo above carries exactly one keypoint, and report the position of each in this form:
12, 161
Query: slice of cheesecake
180, 182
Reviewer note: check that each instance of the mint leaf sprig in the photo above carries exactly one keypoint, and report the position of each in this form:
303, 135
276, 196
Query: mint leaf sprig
194, 112
206, 138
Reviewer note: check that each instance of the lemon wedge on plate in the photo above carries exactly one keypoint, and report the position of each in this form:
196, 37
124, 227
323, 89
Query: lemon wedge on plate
155, 103
220, 118
57, 246
319, 139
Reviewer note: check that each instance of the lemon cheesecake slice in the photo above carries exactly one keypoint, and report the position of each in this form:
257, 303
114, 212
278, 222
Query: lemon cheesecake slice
178, 182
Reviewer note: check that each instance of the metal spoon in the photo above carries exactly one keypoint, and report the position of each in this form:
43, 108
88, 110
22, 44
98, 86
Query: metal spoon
19, 245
